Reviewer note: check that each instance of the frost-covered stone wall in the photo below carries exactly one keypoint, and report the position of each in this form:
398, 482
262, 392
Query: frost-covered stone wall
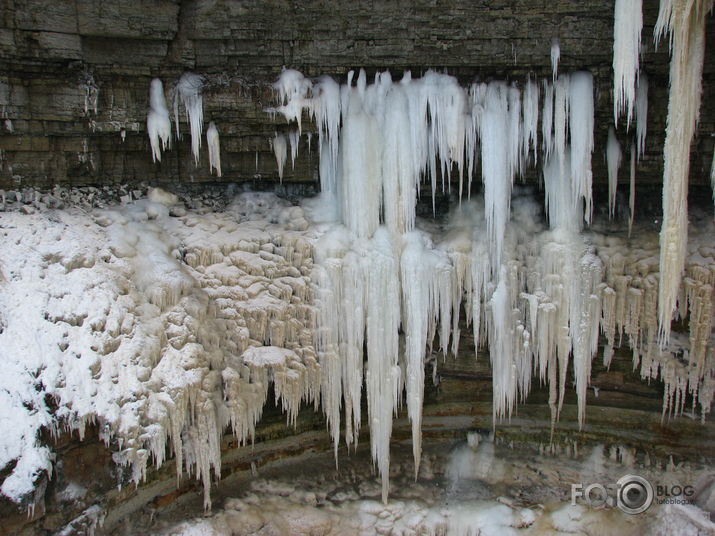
75, 77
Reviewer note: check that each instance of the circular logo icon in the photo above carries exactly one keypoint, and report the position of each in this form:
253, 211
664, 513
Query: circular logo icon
635, 494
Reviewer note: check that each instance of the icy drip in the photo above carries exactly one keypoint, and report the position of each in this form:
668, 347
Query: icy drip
581, 121
632, 189
641, 112
685, 22
613, 159
627, 26
555, 55
280, 151
214, 145
188, 92
158, 124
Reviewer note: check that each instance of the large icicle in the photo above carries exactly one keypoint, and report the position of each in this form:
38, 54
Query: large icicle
188, 91
685, 21
158, 124
627, 26
641, 112
214, 145
581, 122
555, 55
613, 159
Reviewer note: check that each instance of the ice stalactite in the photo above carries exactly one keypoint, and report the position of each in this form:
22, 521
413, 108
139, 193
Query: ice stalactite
627, 26
280, 150
547, 121
555, 55
497, 166
293, 140
214, 145
292, 88
641, 113
530, 115
685, 21
632, 189
581, 122
158, 124
188, 92
613, 159
712, 175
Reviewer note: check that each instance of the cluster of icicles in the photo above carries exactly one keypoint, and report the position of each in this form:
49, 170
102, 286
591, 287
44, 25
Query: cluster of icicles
187, 92
538, 300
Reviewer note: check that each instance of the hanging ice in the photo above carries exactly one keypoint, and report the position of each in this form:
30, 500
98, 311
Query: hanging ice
613, 158
627, 26
555, 54
280, 150
158, 124
212, 141
641, 112
581, 122
188, 92
685, 21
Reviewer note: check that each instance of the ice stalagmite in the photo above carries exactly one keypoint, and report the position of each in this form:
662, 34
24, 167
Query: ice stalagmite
158, 124
685, 21
188, 92
214, 145
627, 26
613, 159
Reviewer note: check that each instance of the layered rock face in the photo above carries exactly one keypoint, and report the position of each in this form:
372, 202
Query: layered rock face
169, 323
75, 77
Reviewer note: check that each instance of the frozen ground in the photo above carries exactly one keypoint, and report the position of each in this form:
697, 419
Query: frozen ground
165, 325
476, 489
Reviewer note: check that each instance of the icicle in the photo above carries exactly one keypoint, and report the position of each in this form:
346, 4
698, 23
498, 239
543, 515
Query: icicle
280, 150
627, 26
188, 91
530, 114
641, 112
632, 190
555, 55
158, 124
712, 175
212, 140
685, 21
613, 158
496, 166
581, 122
292, 88
547, 121
294, 139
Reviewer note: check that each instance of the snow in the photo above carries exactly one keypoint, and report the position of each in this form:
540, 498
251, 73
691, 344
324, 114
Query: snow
627, 26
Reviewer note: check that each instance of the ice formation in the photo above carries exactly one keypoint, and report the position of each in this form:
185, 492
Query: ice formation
158, 124
174, 327
555, 55
627, 26
214, 145
188, 92
641, 112
685, 21
613, 158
